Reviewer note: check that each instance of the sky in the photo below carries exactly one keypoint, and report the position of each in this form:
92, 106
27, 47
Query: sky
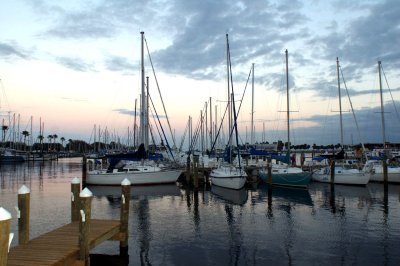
74, 65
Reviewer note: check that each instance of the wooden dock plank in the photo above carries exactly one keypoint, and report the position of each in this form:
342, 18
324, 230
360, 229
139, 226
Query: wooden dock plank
60, 247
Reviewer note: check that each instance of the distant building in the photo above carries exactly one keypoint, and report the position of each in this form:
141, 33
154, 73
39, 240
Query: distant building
267, 147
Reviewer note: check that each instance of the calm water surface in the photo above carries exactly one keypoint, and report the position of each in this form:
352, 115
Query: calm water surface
171, 225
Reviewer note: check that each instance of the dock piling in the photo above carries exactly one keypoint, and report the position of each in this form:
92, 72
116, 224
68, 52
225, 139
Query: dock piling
126, 195
196, 171
85, 198
188, 170
84, 170
385, 169
269, 170
75, 190
5, 224
23, 214
332, 165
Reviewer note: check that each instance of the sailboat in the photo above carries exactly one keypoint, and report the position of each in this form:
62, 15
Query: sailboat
139, 171
286, 175
228, 175
375, 169
344, 174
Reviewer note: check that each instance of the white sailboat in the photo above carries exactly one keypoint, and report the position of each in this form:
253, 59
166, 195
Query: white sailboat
286, 175
375, 168
142, 172
344, 174
228, 175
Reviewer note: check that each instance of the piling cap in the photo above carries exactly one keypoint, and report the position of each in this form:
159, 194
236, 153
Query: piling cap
86, 193
24, 190
75, 180
126, 182
4, 214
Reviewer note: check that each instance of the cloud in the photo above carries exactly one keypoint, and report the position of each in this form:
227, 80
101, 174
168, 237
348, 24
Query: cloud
13, 50
327, 129
255, 34
124, 111
196, 31
76, 64
368, 38
101, 19
118, 63
259, 31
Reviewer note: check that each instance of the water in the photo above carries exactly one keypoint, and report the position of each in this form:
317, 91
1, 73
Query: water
170, 225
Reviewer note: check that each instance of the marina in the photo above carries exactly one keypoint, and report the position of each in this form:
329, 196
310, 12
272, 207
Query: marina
178, 225
295, 163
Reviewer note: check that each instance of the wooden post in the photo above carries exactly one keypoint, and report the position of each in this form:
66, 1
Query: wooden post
188, 170
196, 171
5, 224
75, 189
23, 214
269, 165
332, 199
84, 170
85, 198
385, 169
332, 164
126, 196
269, 202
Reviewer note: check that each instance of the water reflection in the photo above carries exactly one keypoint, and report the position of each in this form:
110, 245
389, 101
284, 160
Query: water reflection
144, 230
334, 197
113, 193
136, 191
235, 235
172, 225
238, 197
12, 176
293, 196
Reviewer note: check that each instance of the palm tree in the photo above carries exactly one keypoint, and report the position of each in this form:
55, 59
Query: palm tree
25, 134
62, 141
70, 141
4, 128
54, 140
49, 137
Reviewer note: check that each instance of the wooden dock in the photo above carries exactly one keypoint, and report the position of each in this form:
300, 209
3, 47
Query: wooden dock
69, 244
61, 246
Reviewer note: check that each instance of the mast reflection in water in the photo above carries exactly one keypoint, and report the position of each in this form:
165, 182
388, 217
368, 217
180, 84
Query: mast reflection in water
172, 225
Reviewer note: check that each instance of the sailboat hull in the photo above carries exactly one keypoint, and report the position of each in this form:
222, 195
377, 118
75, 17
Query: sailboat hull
291, 179
392, 177
143, 178
342, 176
374, 170
228, 177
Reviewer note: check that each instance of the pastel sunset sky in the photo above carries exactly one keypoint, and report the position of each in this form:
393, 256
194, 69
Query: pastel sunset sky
75, 64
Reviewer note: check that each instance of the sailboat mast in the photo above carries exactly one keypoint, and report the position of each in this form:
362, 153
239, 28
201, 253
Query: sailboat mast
134, 128
252, 107
340, 103
384, 163
147, 125
143, 108
211, 127
382, 108
229, 92
287, 100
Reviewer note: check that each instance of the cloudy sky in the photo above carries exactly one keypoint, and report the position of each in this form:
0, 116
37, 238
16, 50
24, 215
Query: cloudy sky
75, 64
